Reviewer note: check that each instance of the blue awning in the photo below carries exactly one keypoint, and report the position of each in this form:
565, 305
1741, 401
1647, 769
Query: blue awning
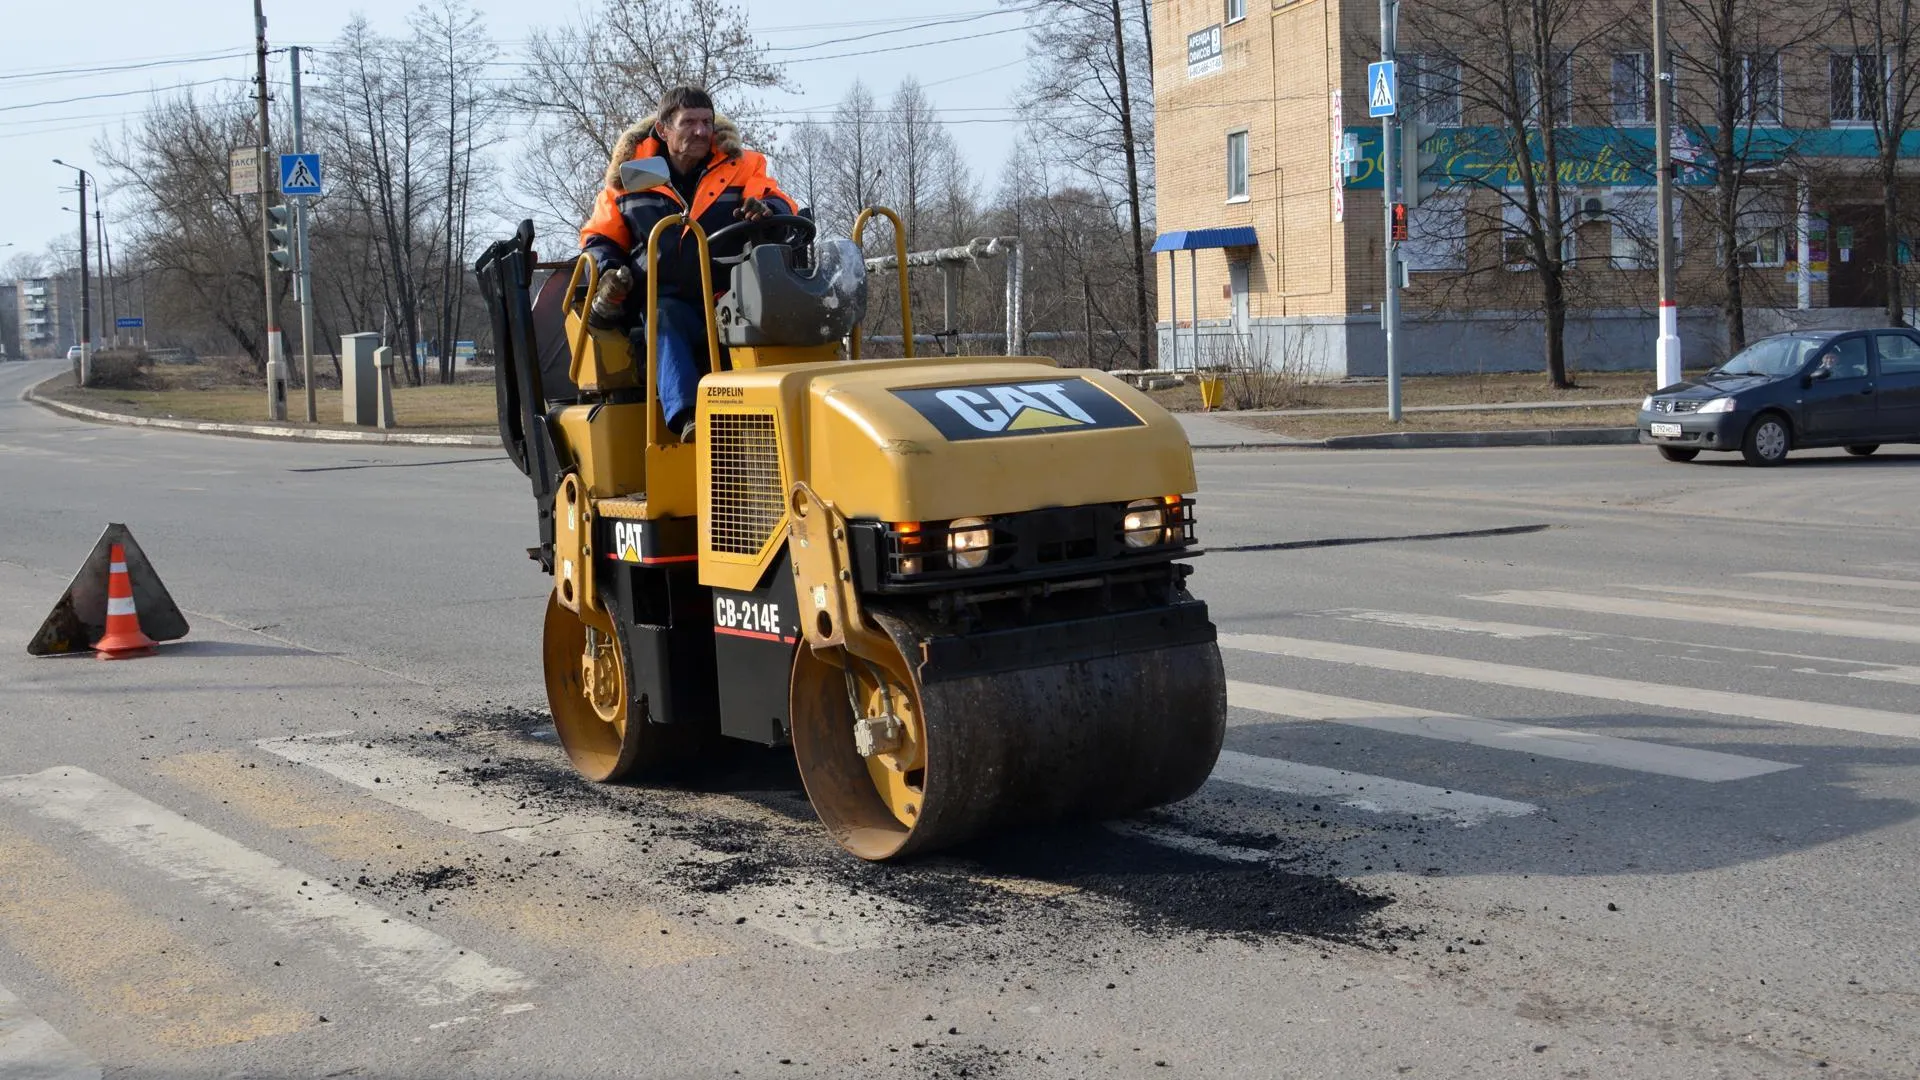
1194, 239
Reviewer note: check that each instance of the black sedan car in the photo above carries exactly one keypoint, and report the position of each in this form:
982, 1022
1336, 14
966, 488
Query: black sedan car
1851, 388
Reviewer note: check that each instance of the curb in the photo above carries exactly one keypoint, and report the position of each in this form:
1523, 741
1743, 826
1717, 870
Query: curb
1439, 440
1431, 440
262, 431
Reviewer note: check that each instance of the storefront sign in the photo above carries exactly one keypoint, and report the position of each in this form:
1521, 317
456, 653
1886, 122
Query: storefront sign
1340, 141
1203, 52
1816, 254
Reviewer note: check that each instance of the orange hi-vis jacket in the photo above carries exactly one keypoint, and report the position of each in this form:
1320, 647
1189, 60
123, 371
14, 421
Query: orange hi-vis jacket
617, 233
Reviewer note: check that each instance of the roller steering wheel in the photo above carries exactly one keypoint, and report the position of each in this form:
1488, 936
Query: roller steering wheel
797, 232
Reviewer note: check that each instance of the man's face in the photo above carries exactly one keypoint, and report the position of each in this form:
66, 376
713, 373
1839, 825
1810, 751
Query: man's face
689, 135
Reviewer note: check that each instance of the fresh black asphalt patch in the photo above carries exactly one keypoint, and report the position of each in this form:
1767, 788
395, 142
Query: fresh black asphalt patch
1150, 888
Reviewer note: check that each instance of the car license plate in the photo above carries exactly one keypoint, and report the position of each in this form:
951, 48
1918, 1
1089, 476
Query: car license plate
1666, 431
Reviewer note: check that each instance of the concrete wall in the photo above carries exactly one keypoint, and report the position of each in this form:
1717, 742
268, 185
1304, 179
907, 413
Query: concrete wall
1335, 347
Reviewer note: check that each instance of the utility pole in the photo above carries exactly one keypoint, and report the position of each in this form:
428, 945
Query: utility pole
303, 276
86, 317
1666, 349
276, 363
113, 285
1390, 190
100, 264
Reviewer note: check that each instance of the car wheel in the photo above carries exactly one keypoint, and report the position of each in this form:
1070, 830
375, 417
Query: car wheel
1767, 441
1863, 449
1679, 453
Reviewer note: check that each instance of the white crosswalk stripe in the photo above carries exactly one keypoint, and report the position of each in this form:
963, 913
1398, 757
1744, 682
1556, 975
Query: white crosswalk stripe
1720, 614
817, 914
1775, 599
30, 1049
384, 948
1843, 580
1361, 791
1504, 630
1684, 762
1659, 695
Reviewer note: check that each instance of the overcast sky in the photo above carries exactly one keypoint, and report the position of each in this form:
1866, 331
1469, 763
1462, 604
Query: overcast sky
44, 45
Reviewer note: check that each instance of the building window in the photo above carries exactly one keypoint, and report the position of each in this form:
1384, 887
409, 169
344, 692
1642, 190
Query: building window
1634, 222
1236, 165
1855, 78
1236, 10
1632, 88
1763, 227
1437, 233
1759, 101
1516, 248
1431, 85
1560, 110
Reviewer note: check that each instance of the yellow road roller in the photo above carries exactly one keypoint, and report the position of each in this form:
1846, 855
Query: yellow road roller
956, 586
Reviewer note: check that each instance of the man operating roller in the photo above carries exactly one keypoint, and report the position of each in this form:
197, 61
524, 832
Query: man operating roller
713, 180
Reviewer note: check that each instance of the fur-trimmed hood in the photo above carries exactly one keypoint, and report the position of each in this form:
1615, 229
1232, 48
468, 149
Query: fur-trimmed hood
726, 140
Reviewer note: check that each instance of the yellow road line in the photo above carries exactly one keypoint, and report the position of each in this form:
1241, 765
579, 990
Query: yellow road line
123, 961
573, 914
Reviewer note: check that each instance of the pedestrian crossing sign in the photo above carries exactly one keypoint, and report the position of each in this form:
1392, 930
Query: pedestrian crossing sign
299, 174
1382, 89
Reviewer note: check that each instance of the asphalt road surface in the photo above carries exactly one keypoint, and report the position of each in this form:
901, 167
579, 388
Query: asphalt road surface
1559, 762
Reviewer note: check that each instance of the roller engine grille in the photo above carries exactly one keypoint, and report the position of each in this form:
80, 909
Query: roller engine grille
748, 498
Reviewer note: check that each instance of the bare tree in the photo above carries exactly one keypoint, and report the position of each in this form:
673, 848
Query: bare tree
1877, 84
1511, 62
375, 124
804, 165
1093, 61
463, 114
200, 242
1732, 67
857, 165
586, 82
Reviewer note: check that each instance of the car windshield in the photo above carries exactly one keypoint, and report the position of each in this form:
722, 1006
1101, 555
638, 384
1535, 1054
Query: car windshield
1775, 356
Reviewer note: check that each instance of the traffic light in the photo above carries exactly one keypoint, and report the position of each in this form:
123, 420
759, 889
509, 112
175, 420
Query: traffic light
1416, 159
280, 235
1399, 222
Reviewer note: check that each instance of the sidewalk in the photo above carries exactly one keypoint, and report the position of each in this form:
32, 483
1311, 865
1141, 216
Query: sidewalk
1218, 431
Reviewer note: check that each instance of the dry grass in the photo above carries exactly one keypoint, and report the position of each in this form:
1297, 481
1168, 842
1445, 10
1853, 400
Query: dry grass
1421, 390
224, 393
1323, 426
227, 391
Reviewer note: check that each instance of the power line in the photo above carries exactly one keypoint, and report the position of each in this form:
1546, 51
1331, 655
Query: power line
116, 94
67, 74
902, 29
121, 65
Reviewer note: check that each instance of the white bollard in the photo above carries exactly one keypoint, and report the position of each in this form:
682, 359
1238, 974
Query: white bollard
383, 375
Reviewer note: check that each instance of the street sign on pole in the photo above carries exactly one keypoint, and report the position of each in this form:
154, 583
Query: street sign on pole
125, 323
1383, 89
299, 174
243, 171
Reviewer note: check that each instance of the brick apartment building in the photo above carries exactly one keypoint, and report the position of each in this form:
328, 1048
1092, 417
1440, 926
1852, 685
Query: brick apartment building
44, 317
1269, 193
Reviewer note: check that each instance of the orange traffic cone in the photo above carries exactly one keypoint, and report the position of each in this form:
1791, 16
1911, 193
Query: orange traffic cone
124, 639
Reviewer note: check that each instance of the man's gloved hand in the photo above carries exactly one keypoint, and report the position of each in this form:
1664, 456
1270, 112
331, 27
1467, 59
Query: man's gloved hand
753, 210
611, 299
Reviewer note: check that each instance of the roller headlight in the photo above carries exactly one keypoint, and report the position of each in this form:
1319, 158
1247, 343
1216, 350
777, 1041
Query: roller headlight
968, 541
1145, 524
1717, 405
1646, 403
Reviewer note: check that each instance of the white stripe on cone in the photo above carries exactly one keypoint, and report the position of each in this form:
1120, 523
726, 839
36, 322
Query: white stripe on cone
120, 605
